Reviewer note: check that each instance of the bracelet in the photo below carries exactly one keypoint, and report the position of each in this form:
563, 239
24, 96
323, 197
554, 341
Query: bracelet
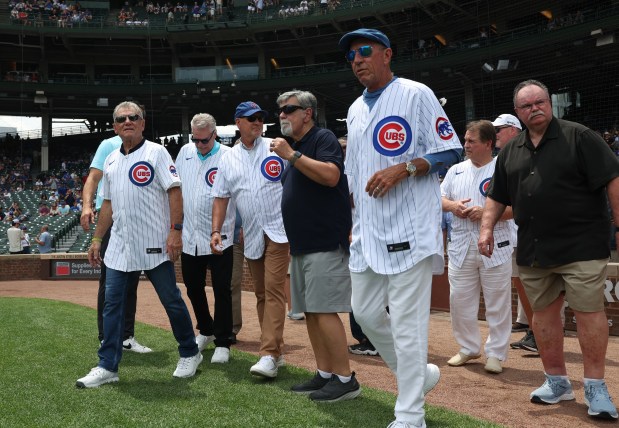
214, 232
95, 239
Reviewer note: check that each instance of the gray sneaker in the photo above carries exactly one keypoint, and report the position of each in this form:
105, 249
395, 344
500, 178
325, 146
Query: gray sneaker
599, 401
555, 389
336, 390
314, 384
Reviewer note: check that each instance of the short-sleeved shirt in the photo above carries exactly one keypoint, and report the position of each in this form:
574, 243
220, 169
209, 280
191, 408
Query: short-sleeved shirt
103, 151
558, 194
464, 181
317, 218
46, 238
137, 185
403, 227
198, 177
252, 179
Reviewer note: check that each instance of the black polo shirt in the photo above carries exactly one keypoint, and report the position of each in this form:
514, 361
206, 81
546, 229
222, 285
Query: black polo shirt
558, 194
317, 218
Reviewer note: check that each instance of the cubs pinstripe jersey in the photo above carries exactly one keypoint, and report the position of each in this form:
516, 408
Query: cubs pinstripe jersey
404, 226
252, 178
198, 177
464, 181
136, 184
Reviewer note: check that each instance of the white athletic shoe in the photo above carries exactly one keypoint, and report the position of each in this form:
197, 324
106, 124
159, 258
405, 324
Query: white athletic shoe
221, 355
203, 341
98, 376
265, 367
132, 345
433, 374
187, 367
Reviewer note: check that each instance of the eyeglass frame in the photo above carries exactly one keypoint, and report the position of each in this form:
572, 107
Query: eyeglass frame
351, 54
288, 109
538, 104
132, 118
203, 140
254, 118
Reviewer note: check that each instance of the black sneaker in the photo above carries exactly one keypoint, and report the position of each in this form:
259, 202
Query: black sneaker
335, 390
314, 384
363, 348
518, 345
517, 327
528, 342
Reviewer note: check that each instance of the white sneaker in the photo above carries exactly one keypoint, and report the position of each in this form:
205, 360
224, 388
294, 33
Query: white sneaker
187, 367
221, 355
296, 316
265, 367
433, 374
203, 341
132, 345
98, 376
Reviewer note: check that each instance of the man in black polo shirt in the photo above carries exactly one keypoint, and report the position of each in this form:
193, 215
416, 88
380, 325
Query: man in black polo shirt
556, 176
317, 218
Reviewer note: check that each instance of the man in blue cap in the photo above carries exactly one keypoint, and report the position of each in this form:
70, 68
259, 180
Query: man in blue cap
398, 139
250, 174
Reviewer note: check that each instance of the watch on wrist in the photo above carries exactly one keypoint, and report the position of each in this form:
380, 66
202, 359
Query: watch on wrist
411, 169
177, 226
296, 155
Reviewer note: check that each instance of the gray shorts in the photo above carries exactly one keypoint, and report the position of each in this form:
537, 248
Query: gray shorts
320, 282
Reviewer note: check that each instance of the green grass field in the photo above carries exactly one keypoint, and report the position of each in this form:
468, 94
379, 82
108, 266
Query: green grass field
48, 345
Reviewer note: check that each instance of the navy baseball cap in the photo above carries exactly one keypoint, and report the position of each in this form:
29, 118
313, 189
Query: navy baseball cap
248, 108
363, 33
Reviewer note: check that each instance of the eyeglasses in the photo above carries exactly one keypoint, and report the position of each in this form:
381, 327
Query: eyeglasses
203, 140
132, 118
364, 51
254, 118
499, 128
538, 104
289, 109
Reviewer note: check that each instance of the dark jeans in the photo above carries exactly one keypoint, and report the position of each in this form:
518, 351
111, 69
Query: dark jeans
163, 279
194, 275
132, 295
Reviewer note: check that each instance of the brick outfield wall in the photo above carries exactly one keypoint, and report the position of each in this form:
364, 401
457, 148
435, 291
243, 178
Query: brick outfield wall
36, 267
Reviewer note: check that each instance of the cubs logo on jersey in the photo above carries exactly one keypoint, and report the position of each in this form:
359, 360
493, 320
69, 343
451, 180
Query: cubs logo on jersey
483, 186
272, 168
392, 136
173, 171
444, 129
210, 176
141, 174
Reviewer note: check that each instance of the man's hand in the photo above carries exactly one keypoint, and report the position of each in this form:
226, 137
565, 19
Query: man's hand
281, 148
174, 244
474, 213
485, 245
460, 209
87, 218
379, 184
217, 246
94, 254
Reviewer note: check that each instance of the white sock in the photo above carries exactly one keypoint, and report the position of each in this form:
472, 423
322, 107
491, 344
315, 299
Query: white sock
589, 381
344, 379
324, 375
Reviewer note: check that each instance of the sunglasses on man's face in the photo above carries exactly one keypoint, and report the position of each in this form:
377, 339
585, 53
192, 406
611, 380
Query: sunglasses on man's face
203, 140
123, 119
289, 109
364, 51
254, 118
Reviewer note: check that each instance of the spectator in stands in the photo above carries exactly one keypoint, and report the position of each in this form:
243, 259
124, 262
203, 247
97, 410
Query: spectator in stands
64, 209
44, 240
53, 211
43, 209
69, 198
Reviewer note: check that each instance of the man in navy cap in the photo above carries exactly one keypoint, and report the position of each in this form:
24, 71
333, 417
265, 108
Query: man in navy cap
398, 139
250, 174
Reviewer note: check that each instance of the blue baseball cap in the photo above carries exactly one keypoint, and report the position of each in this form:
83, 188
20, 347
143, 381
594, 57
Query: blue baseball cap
363, 33
248, 108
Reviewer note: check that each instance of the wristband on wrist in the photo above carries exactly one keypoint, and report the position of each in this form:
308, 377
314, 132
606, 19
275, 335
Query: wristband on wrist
95, 239
214, 232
